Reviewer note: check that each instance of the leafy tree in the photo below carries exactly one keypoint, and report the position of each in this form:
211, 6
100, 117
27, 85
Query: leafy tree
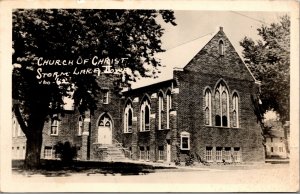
68, 34
269, 60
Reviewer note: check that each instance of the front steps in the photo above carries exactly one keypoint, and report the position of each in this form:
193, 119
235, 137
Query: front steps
114, 153
110, 152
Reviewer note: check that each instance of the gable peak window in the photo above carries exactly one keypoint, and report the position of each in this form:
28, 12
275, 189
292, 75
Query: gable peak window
128, 115
221, 106
221, 47
145, 116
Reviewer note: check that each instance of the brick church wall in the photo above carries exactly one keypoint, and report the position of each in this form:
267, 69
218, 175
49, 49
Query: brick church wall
204, 71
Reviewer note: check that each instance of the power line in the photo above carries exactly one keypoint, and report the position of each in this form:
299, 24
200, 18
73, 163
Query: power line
212, 32
249, 17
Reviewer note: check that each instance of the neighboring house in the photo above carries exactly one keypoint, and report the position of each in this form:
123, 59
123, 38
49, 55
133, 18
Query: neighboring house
276, 141
200, 105
18, 139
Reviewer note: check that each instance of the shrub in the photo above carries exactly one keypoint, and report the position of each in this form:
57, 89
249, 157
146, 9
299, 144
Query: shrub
177, 160
189, 161
65, 151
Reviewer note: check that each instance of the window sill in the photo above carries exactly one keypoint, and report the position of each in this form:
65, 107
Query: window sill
164, 129
210, 126
127, 132
54, 135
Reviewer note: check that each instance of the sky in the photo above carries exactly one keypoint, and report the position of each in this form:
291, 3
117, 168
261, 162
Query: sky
236, 25
191, 25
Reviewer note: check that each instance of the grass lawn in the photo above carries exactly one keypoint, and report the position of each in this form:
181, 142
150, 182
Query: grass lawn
57, 168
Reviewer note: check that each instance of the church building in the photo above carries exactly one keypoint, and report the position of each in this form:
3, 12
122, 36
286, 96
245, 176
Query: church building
200, 105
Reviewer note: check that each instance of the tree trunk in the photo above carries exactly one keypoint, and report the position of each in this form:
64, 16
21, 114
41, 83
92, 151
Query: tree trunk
34, 146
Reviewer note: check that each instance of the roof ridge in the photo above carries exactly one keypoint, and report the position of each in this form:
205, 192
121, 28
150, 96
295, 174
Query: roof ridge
189, 41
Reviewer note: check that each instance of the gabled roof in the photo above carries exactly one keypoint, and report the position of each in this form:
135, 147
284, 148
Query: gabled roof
173, 58
180, 56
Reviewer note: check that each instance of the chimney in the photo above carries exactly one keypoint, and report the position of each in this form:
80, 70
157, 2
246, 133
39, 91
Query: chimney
221, 28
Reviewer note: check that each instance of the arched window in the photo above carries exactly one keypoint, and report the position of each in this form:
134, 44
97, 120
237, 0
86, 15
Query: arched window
221, 105
80, 126
145, 116
169, 107
235, 112
221, 47
207, 108
160, 110
128, 114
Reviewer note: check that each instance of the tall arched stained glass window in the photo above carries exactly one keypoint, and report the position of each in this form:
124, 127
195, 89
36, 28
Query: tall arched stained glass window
221, 105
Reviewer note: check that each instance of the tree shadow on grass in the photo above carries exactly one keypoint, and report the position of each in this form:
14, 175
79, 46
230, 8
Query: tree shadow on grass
56, 168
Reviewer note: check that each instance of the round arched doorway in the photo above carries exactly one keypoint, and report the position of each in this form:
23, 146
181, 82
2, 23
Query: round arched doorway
105, 129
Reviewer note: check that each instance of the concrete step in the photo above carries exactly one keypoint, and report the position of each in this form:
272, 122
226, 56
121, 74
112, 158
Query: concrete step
114, 153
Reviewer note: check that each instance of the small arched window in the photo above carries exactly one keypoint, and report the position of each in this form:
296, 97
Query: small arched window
128, 118
235, 111
169, 107
221, 47
145, 116
160, 110
207, 107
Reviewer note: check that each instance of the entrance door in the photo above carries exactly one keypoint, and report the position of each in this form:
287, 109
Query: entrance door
168, 152
105, 131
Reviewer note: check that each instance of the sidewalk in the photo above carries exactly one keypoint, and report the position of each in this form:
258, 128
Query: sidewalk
211, 167
278, 160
